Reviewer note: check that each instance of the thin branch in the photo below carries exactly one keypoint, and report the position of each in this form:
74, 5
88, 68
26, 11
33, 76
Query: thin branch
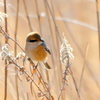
6, 41
8, 37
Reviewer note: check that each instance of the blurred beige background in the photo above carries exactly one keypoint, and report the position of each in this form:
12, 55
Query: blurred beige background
78, 20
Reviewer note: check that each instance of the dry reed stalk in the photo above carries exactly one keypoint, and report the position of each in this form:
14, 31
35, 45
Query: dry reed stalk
52, 6
59, 69
98, 23
38, 15
86, 52
50, 31
15, 48
28, 19
6, 41
57, 6
75, 84
56, 27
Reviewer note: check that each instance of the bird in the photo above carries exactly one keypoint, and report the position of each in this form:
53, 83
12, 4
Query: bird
36, 49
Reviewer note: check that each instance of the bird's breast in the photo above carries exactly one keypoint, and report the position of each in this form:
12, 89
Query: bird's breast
35, 52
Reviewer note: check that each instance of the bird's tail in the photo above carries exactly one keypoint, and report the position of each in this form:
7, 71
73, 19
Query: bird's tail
47, 65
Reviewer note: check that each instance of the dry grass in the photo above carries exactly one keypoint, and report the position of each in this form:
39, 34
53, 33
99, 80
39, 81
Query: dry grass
76, 79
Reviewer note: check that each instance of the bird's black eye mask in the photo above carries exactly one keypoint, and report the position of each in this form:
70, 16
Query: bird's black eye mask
33, 40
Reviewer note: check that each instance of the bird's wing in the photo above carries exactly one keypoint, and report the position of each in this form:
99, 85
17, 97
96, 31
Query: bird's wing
44, 45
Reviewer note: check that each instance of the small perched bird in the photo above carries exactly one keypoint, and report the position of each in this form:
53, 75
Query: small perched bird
36, 49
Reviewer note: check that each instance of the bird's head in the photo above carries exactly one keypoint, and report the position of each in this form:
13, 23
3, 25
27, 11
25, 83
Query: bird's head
33, 37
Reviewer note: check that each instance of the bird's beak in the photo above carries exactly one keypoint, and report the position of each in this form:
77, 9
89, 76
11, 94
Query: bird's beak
41, 40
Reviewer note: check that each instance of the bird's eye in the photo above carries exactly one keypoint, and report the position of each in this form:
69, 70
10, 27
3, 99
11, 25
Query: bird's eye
33, 40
